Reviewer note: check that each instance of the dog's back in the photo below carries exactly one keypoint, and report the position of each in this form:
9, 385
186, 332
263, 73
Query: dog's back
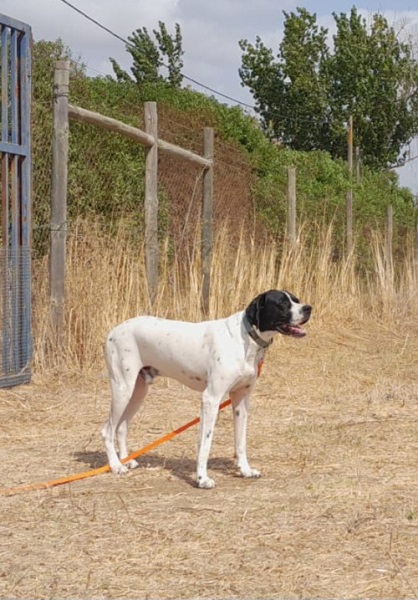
177, 349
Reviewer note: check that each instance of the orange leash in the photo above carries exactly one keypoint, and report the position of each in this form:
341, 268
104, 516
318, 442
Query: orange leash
93, 472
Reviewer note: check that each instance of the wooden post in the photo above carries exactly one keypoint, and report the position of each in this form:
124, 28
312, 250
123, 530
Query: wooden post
349, 221
291, 204
358, 164
207, 215
416, 236
389, 238
416, 244
59, 196
349, 198
350, 144
151, 201
132, 133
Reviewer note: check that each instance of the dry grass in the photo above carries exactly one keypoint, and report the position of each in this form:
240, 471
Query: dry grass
333, 428
106, 284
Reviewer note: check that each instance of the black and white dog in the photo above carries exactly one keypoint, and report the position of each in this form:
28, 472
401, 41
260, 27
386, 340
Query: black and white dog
217, 358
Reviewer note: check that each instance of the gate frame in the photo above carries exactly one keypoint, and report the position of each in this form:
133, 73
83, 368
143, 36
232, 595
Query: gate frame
15, 151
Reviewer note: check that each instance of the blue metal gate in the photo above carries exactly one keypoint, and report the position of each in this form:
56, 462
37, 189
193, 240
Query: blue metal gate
15, 233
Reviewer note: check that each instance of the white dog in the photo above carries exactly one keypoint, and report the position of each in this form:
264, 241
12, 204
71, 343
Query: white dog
216, 358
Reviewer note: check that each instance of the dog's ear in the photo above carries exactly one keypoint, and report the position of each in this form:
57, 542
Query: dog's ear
269, 309
253, 310
276, 310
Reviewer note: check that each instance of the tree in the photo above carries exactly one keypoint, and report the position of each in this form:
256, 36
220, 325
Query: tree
149, 56
374, 78
306, 95
291, 92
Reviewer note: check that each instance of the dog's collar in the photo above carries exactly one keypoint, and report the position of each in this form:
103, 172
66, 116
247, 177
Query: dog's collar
253, 334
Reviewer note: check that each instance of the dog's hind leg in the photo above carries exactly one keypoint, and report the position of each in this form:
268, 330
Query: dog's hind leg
137, 398
128, 393
129, 388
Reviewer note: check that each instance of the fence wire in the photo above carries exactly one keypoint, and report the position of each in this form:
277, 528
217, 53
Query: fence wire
16, 345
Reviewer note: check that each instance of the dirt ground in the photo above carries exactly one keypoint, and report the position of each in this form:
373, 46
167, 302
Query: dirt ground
334, 429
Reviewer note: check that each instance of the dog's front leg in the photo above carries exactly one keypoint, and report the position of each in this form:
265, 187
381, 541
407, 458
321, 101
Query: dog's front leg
208, 415
240, 407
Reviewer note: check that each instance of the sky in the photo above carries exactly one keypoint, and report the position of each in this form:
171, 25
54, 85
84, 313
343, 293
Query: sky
211, 30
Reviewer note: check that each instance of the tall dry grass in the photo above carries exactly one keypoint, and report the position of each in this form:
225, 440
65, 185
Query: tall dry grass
106, 283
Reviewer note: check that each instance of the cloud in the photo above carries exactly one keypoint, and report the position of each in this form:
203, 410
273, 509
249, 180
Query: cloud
53, 19
211, 31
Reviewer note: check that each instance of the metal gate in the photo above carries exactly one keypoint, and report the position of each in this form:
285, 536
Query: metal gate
15, 233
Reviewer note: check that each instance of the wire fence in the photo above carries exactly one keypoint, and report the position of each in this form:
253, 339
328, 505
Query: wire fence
106, 183
105, 224
106, 179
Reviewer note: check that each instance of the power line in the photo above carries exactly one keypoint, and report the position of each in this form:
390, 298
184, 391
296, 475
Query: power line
198, 83
128, 43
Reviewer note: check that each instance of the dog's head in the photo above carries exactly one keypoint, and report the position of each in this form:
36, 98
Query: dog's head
278, 311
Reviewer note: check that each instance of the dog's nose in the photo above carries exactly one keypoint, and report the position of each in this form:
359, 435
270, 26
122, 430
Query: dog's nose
307, 309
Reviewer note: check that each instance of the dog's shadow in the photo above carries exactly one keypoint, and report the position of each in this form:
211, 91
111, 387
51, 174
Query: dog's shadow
182, 468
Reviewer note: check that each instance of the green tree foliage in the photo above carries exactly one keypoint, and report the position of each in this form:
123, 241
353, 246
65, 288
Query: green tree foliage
291, 93
150, 55
306, 94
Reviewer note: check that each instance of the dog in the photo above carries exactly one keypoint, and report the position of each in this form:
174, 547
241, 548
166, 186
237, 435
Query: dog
217, 358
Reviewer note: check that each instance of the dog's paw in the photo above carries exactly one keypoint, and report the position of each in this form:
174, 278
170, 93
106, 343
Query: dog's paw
132, 464
205, 483
119, 469
254, 473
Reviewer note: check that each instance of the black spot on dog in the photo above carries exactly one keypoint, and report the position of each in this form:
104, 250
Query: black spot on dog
237, 413
209, 433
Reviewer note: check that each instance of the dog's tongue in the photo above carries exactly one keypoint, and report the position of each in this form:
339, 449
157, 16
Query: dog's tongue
296, 331
293, 330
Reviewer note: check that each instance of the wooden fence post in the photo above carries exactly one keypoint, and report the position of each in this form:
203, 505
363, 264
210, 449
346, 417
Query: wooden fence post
416, 235
349, 198
291, 204
358, 164
151, 201
207, 216
389, 239
349, 221
59, 196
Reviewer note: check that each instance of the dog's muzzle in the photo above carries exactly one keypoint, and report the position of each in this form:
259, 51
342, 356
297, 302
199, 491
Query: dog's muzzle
295, 330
